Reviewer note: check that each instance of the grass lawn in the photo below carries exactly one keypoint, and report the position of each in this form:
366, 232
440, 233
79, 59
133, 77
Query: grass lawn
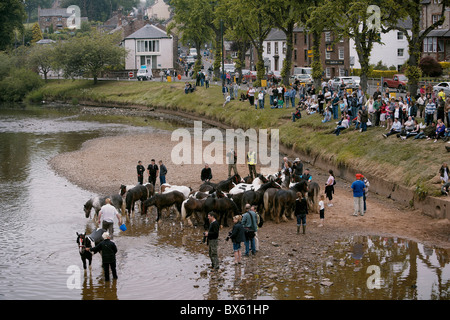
411, 162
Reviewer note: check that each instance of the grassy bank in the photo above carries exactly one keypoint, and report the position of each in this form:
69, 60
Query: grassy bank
411, 163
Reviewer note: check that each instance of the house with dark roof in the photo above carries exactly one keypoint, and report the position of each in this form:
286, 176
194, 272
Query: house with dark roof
437, 42
56, 17
149, 46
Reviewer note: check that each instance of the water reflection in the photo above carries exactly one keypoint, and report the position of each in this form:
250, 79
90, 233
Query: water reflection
377, 267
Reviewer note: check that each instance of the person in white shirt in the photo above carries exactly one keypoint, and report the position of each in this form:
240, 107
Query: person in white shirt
322, 209
396, 128
107, 214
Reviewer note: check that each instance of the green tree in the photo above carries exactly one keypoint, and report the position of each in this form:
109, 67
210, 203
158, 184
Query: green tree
41, 58
413, 10
37, 33
192, 20
352, 19
253, 19
89, 55
12, 14
285, 15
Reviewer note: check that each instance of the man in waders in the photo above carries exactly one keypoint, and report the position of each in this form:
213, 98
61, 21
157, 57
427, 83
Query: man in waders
251, 161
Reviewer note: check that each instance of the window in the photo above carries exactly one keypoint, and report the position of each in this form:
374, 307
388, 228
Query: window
327, 36
341, 72
268, 47
399, 35
435, 18
341, 53
147, 45
400, 52
295, 54
328, 72
284, 47
275, 45
328, 55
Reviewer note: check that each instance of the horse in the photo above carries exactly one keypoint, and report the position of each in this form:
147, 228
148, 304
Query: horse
90, 241
186, 191
97, 202
164, 200
313, 195
255, 185
138, 193
284, 200
222, 206
224, 185
192, 206
124, 188
268, 201
257, 197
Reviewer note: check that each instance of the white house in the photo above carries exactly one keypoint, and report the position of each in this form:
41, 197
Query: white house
149, 46
160, 10
392, 52
274, 50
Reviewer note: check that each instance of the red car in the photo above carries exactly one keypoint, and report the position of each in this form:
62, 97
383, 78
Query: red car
398, 81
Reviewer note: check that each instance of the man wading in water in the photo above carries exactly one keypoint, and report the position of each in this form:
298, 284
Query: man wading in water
213, 243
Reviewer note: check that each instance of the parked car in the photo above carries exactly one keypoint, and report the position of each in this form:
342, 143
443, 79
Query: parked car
348, 81
398, 81
144, 73
302, 78
443, 85
276, 75
249, 76
356, 80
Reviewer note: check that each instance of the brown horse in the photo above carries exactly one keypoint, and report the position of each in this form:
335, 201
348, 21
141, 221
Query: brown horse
193, 206
222, 206
164, 201
284, 200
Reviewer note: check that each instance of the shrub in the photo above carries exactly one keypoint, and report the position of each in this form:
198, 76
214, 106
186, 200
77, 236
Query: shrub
18, 84
430, 67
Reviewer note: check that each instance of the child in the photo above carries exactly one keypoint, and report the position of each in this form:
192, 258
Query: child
237, 236
322, 209
382, 115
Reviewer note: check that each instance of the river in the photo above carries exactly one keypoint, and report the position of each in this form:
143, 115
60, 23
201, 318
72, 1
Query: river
42, 211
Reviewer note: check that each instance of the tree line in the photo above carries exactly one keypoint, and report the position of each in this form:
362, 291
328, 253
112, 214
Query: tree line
249, 22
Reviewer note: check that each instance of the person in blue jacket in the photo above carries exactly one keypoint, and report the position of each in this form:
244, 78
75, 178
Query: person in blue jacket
358, 194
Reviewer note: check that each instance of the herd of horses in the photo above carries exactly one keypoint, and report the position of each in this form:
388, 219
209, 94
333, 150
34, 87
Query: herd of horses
273, 195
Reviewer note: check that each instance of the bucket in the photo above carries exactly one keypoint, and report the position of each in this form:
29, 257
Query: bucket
123, 227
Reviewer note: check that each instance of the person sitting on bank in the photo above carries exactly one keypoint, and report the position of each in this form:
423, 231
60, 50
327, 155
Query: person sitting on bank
296, 115
396, 128
206, 174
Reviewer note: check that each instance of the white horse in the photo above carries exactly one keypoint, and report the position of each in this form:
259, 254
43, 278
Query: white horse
186, 191
242, 187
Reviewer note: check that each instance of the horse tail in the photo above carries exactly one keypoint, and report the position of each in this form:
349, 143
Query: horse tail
183, 210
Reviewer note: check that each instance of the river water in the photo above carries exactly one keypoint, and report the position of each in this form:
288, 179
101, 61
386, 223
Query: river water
41, 213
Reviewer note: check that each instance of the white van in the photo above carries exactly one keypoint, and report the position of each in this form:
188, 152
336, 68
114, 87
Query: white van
301, 70
193, 52
144, 73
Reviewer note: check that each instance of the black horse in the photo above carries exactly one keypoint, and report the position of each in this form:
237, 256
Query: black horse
162, 201
257, 197
224, 186
284, 200
138, 193
89, 241
221, 206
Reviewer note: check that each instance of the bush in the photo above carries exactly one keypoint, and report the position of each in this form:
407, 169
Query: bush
19, 82
430, 67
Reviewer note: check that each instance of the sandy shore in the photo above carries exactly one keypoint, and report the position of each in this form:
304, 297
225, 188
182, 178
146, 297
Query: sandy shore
103, 164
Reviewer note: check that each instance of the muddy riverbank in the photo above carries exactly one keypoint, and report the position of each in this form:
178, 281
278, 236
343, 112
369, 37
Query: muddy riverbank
103, 164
